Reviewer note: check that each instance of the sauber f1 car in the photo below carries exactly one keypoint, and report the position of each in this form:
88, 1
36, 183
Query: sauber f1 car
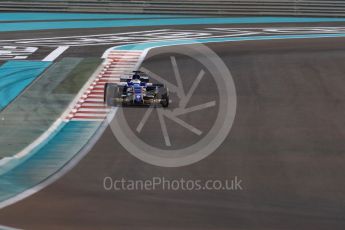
136, 90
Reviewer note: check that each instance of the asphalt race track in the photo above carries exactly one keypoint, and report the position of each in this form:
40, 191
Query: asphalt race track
286, 145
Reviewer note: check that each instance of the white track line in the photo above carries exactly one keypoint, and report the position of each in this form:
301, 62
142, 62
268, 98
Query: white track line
56, 53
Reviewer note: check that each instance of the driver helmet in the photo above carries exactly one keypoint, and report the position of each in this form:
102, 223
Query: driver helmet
136, 77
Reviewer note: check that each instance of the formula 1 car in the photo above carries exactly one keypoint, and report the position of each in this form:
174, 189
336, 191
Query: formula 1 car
135, 90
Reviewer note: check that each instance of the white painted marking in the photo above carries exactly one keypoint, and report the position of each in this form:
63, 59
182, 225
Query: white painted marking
94, 99
120, 65
90, 115
94, 35
111, 78
9, 47
5, 52
15, 52
56, 53
20, 57
105, 110
88, 119
92, 104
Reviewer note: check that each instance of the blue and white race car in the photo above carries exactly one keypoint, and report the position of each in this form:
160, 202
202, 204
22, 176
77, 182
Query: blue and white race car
135, 90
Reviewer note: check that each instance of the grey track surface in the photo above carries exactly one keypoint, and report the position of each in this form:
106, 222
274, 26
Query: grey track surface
286, 145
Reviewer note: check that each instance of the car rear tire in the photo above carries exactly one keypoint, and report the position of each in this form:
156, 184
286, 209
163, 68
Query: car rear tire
165, 100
